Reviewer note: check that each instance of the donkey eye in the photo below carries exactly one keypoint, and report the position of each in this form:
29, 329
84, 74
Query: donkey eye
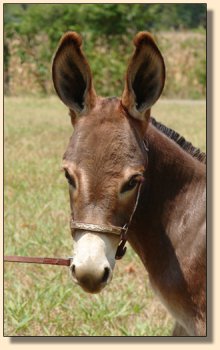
70, 179
128, 186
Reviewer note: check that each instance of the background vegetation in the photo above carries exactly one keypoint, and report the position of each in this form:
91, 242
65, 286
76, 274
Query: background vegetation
32, 32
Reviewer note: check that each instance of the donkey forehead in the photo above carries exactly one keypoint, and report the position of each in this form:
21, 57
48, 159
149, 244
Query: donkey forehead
104, 139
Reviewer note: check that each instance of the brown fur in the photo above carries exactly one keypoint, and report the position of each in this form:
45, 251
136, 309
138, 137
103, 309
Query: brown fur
168, 228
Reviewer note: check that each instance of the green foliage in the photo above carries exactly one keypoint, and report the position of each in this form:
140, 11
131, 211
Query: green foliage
105, 19
107, 30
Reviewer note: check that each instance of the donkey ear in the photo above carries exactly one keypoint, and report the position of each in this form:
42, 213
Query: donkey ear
145, 77
72, 76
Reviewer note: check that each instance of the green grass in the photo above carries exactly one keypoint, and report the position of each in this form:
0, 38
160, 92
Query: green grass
42, 300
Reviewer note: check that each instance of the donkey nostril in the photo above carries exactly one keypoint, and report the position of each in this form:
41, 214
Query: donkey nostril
105, 275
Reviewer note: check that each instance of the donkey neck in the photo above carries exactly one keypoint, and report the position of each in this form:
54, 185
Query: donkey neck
171, 175
170, 167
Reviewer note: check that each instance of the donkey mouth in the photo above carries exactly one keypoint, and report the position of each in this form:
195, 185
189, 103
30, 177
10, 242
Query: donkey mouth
91, 289
89, 286
91, 283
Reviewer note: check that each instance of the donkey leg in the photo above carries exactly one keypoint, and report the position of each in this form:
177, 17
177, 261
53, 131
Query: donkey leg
179, 331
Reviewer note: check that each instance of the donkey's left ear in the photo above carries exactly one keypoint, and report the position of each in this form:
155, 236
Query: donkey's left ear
145, 77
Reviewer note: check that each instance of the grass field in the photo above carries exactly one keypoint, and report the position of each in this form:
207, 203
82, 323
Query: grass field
42, 300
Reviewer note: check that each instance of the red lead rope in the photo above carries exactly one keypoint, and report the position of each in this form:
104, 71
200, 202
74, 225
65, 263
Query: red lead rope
30, 260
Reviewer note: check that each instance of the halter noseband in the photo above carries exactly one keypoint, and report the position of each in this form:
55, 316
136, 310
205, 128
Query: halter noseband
110, 229
116, 230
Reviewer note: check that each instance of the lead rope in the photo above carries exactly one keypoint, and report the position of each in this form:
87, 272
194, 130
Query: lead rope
122, 231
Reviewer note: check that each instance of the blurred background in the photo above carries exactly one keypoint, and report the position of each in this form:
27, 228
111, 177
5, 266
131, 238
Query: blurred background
41, 300
32, 32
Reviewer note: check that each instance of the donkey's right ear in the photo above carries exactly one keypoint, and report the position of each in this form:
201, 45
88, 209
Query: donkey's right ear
72, 76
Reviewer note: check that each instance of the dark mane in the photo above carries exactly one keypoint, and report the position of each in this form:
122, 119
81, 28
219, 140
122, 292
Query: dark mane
187, 146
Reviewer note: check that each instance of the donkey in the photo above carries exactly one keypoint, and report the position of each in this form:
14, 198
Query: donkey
131, 178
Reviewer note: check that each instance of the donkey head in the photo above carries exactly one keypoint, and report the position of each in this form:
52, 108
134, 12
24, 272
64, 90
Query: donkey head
105, 159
